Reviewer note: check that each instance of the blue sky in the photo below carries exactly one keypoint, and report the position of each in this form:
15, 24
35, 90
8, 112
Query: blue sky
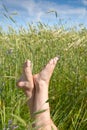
72, 12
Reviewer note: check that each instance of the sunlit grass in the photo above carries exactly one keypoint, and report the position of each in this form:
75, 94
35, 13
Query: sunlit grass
68, 86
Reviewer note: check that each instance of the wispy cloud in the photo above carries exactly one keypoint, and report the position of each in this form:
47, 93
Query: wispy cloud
43, 6
36, 10
84, 2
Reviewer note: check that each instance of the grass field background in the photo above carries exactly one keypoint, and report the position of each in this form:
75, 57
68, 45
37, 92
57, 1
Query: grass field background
68, 86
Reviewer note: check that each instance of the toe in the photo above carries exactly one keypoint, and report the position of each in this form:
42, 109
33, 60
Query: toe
55, 60
27, 70
51, 64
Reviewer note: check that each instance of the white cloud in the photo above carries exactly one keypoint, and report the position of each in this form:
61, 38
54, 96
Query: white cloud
34, 7
37, 10
84, 2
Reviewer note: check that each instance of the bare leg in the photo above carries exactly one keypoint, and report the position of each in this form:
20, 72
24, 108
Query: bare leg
41, 81
26, 83
36, 87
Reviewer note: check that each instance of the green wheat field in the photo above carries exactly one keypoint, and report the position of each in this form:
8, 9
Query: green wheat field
68, 85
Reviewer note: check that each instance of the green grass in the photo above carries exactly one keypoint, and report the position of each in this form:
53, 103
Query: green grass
68, 86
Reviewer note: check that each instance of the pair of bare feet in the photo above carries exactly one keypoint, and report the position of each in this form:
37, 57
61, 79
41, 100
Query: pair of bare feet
36, 89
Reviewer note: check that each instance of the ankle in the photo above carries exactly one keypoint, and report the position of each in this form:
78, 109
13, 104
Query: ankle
42, 123
40, 83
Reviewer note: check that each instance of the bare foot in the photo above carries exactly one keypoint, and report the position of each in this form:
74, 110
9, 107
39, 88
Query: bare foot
41, 81
46, 73
26, 80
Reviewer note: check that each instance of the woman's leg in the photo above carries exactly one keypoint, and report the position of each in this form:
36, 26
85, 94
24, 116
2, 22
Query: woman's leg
41, 81
26, 83
36, 87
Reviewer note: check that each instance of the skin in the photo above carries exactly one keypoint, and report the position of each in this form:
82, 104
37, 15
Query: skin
36, 89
